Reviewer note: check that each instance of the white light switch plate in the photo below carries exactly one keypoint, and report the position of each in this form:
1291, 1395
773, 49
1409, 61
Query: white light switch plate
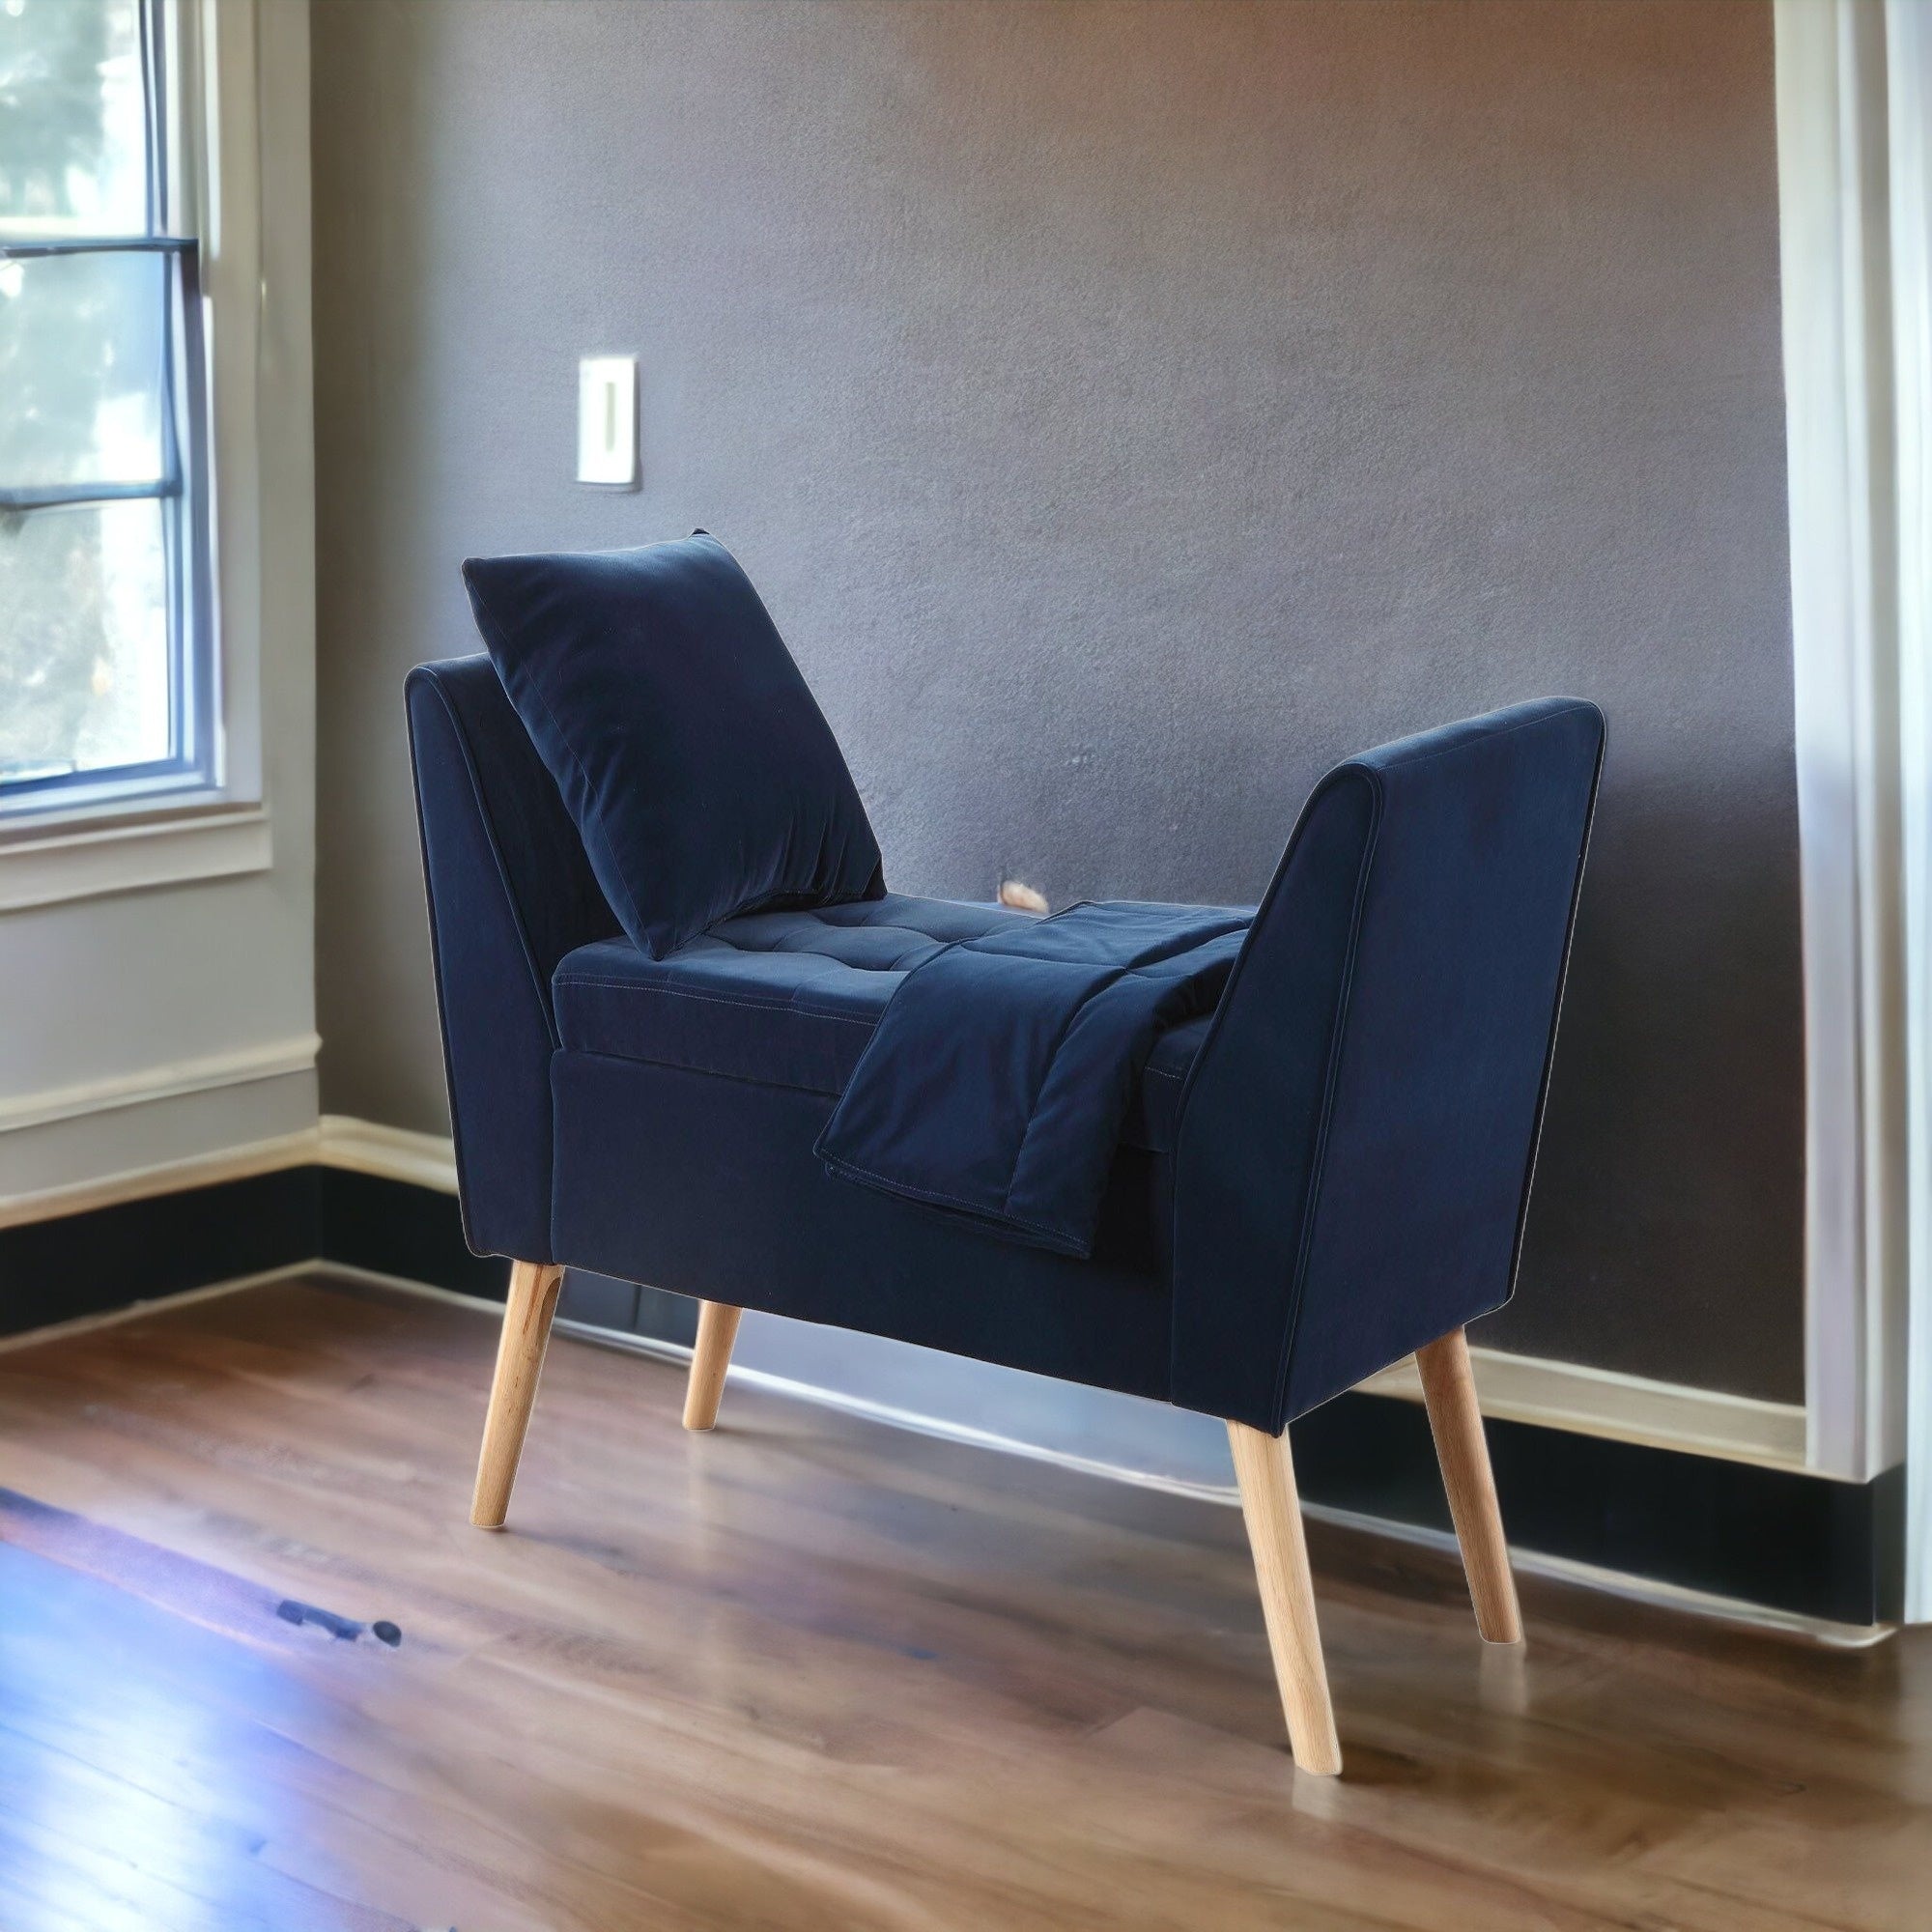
607, 422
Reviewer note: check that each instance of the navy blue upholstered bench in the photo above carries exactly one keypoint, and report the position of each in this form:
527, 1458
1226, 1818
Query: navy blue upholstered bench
1326, 1173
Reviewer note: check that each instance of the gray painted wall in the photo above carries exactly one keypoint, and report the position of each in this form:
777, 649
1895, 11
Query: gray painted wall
1127, 410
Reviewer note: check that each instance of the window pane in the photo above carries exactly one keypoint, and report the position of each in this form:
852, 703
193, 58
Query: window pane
73, 118
84, 646
82, 351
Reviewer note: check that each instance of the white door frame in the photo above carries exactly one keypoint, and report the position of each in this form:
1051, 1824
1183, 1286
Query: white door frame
1854, 86
1909, 103
1831, 225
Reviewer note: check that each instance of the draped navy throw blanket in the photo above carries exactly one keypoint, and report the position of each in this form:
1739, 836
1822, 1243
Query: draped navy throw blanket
996, 1082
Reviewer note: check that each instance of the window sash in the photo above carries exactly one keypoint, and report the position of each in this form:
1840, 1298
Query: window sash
181, 485
181, 355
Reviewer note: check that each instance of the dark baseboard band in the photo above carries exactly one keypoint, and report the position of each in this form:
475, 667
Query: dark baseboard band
393, 1226
1777, 1538
108, 1258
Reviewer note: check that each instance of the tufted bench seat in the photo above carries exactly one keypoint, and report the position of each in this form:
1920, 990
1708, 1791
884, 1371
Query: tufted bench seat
1329, 1174
790, 999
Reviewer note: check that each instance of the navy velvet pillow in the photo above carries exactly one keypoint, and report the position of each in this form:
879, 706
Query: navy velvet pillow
702, 776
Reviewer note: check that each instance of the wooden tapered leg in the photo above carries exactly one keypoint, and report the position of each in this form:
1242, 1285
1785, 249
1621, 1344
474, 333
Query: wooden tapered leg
520, 1355
1449, 1388
717, 1330
1273, 1512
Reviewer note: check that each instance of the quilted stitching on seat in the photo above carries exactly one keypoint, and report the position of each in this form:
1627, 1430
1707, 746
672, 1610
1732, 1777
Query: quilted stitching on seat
790, 998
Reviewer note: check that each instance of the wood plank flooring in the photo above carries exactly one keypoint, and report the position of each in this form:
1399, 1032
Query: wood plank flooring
807, 1673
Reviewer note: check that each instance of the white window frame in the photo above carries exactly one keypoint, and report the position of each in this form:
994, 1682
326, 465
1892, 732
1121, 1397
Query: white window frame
89, 840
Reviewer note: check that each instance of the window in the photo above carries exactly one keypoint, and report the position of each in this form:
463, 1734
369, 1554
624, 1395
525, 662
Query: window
106, 670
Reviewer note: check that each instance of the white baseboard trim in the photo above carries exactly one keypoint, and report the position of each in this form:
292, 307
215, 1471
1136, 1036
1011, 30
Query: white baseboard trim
265, 1061
361, 1146
390, 1153
172, 1177
1626, 1409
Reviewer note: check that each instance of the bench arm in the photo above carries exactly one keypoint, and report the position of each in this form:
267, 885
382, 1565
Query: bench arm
1356, 1137
510, 892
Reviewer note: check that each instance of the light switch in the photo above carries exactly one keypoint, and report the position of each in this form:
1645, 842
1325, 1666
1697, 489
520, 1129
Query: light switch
607, 422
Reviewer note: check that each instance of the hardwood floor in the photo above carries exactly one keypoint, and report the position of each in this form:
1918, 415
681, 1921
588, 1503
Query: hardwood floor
809, 1673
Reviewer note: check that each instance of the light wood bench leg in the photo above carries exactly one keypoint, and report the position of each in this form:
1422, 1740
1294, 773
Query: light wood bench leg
1265, 1470
520, 1357
1449, 1388
710, 1358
